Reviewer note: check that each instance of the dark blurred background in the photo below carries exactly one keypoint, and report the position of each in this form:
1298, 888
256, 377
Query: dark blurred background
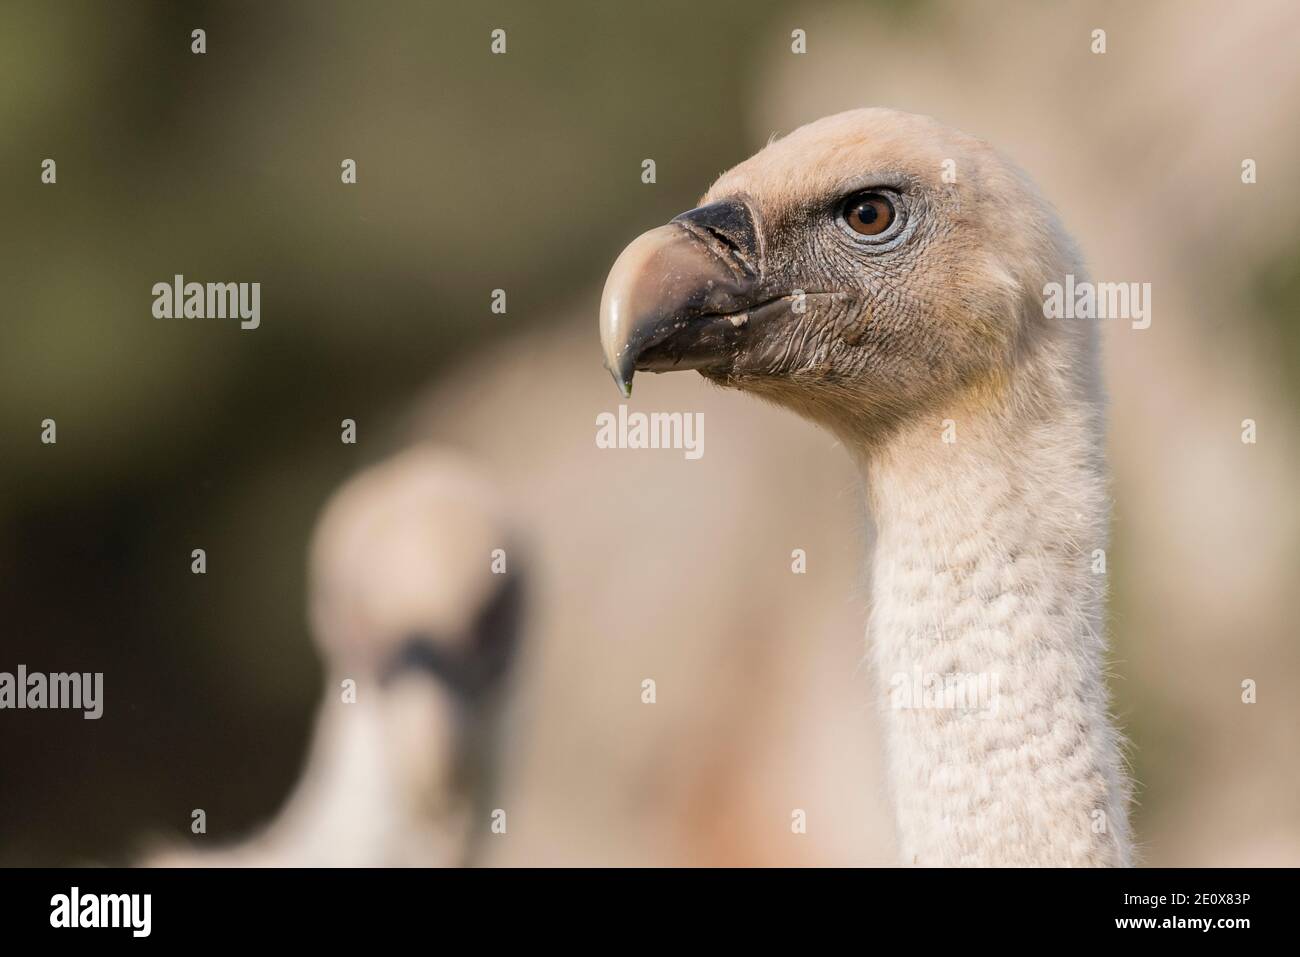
521, 172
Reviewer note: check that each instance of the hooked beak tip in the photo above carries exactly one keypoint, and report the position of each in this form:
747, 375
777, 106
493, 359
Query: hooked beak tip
667, 296
623, 381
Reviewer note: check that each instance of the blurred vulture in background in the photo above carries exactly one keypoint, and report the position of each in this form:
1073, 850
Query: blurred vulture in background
416, 607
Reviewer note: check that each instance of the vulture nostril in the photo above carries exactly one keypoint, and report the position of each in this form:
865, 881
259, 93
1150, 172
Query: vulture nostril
729, 224
723, 238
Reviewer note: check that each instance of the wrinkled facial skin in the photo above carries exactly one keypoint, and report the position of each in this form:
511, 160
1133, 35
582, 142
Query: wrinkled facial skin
888, 324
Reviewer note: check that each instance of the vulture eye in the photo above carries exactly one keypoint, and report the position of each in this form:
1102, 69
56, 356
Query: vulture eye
869, 213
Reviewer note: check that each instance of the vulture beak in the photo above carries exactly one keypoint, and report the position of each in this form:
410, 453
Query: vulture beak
678, 296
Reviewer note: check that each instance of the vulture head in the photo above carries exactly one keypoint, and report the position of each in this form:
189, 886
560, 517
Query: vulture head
867, 266
404, 600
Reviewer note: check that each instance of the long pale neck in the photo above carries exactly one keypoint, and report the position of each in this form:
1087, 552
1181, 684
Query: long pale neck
364, 799
987, 634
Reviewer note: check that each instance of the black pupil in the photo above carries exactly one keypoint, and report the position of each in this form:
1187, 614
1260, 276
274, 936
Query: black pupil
867, 213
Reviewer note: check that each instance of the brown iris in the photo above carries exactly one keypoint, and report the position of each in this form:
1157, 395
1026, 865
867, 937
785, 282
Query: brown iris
869, 214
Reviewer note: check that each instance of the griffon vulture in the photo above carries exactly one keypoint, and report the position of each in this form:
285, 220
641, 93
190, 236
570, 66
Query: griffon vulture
883, 276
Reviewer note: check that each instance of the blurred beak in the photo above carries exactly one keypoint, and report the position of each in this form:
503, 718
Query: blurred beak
677, 297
